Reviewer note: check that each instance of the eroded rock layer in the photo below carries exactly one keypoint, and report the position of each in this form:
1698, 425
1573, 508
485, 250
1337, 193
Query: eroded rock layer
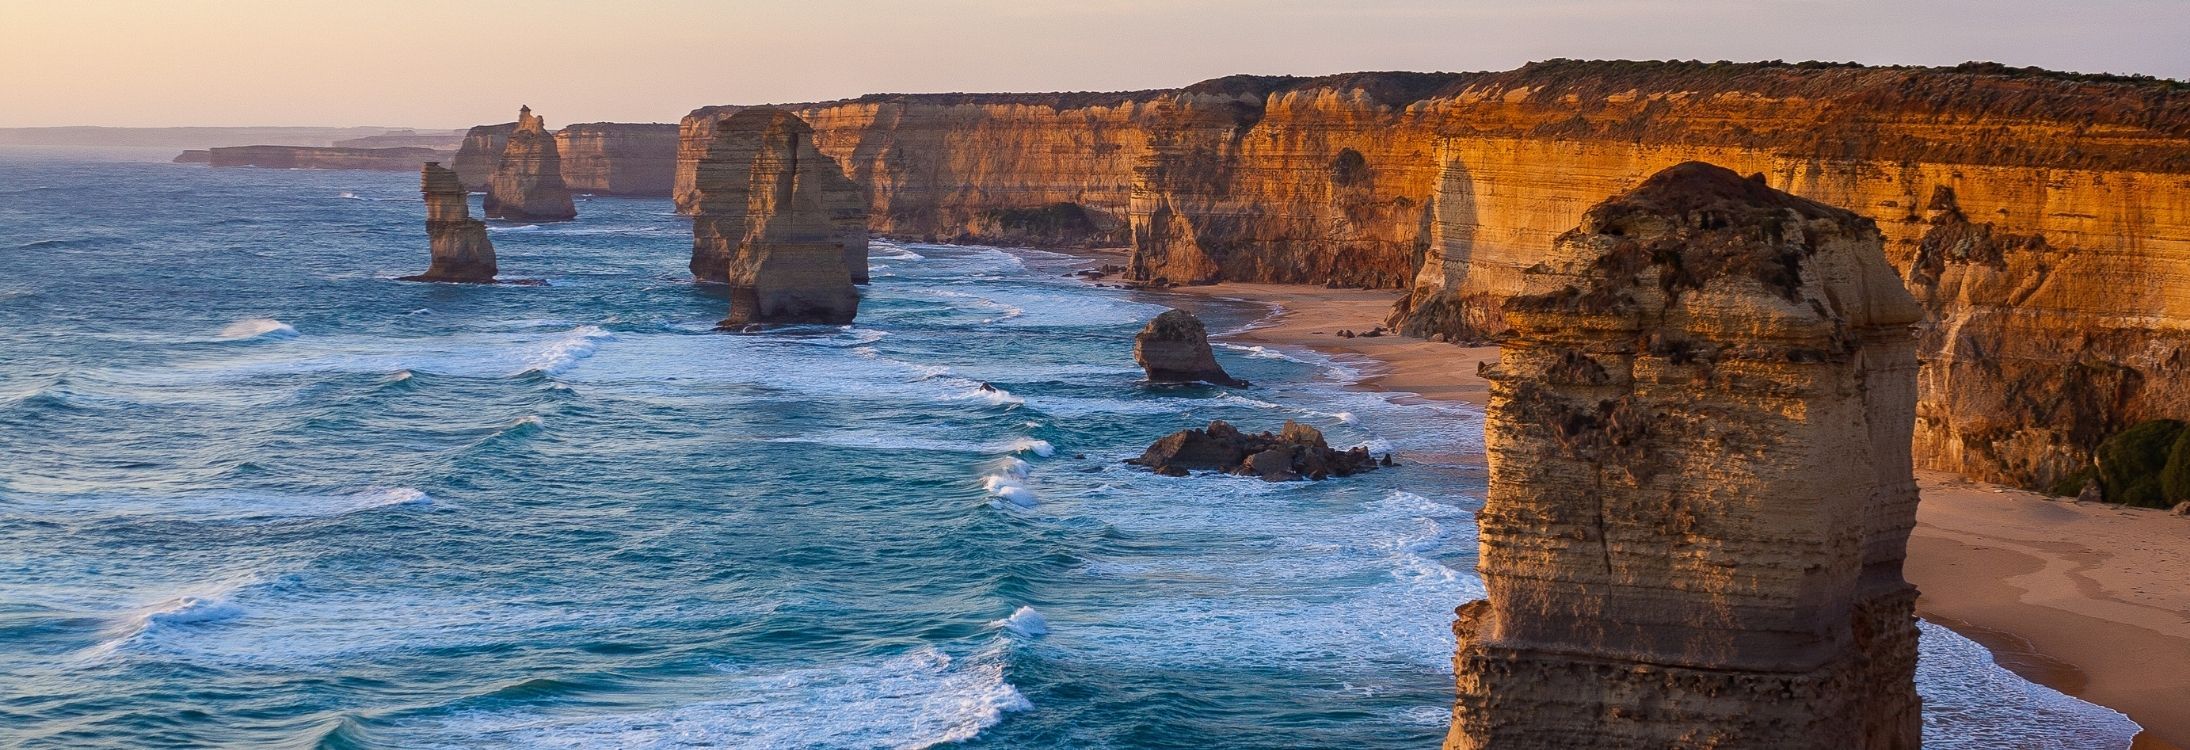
481, 153
775, 221
1450, 184
615, 158
1701, 489
461, 251
528, 181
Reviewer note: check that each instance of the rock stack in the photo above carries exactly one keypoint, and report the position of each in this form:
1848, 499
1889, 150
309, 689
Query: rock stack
777, 220
528, 181
461, 252
1297, 451
1701, 490
1174, 348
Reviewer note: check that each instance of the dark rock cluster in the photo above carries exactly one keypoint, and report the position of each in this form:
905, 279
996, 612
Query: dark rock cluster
1297, 451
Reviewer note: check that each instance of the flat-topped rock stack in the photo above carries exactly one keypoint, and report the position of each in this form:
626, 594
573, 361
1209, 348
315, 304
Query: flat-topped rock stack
461, 251
778, 222
1701, 488
527, 183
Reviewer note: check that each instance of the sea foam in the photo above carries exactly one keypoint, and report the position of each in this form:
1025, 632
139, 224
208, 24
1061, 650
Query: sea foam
257, 328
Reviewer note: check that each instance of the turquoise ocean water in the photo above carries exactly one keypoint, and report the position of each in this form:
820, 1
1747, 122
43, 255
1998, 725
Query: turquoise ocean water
256, 493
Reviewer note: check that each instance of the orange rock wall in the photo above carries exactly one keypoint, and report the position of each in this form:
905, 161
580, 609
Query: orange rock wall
2060, 329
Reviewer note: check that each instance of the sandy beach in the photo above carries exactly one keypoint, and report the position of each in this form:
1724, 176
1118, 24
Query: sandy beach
2091, 600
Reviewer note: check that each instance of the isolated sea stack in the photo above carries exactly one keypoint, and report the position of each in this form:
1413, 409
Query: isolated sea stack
461, 252
1174, 348
774, 221
528, 182
1700, 491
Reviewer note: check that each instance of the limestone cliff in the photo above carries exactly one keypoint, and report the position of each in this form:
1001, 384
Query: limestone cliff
1448, 185
772, 221
1700, 490
481, 153
528, 182
616, 158
320, 157
461, 251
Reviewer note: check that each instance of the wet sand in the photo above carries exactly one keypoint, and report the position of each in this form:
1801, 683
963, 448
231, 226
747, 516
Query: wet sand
2090, 600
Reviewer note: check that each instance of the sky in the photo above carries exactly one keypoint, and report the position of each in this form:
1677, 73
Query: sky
454, 63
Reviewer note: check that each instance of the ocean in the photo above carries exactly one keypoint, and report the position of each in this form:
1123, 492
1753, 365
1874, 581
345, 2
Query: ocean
254, 492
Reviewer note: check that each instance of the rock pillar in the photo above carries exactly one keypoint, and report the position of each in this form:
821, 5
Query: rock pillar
1701, 490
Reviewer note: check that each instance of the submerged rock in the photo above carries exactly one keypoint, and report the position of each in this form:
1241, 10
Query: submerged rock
1174, 348
776, 220
461, 251
528, 181
1700, 484
1297, 451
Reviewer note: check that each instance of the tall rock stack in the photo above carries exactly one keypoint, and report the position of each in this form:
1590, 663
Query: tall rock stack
461, 251
528, 182
1701, 488
773, 219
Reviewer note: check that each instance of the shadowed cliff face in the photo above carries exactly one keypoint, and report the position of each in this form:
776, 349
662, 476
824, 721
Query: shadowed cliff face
1700, 490
528, 181
1448, 185
776, 221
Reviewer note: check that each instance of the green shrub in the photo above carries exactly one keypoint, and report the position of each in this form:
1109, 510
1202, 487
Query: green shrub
2175, 479
2130, 462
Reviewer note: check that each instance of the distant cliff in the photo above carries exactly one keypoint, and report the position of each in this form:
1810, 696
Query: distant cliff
313, 157
2058, 283
616, 158
610, 158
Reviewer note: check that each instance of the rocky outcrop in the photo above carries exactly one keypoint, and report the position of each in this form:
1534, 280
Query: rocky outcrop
316, 157
615, 158
481, 153
775, 221
1701, 489
528, 182
461, 252
1297, 451
1174, 348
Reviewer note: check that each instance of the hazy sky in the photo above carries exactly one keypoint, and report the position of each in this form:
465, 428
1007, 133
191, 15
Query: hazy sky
451, 63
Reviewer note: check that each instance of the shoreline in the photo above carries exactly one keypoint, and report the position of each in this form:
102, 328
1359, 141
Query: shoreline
2086, 599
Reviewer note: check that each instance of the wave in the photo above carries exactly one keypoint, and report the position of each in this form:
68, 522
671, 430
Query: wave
1262, 352
559, 354
1036, 446
257, 328
1009, 489
218, 507
1970, 703
179, 615
1024, 621
519, 228
919, 699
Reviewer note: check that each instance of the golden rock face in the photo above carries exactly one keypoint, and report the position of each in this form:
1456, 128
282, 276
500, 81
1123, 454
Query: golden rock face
527, 183
1448, 185
461, 251
1700, 490
779, 223
616, 158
